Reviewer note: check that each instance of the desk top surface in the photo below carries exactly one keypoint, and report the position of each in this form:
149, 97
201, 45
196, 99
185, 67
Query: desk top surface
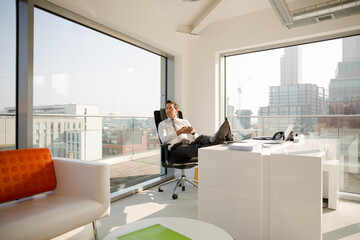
303, 148
258, 147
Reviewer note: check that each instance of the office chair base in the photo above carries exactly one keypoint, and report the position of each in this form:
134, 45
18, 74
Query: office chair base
180, 182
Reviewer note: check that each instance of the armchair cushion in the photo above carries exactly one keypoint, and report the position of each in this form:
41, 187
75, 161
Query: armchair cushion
25, 172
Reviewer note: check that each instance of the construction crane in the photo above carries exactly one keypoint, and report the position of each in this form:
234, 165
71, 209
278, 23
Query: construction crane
239, 90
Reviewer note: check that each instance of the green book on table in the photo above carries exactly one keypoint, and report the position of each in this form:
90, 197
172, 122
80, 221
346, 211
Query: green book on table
154, 232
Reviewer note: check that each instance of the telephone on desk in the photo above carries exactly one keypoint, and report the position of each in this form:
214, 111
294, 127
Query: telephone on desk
277, 136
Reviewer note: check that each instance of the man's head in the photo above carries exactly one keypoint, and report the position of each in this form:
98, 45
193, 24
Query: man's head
172, 108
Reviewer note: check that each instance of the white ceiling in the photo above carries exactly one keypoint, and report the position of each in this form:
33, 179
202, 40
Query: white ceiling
184, 16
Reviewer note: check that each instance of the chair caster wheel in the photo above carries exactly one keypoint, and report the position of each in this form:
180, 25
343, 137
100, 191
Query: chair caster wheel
160, 189
174, 196
183, 188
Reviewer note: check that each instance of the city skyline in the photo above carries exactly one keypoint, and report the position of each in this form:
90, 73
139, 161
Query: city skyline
318, 67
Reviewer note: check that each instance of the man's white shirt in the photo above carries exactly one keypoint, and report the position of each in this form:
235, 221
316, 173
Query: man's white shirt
168, 134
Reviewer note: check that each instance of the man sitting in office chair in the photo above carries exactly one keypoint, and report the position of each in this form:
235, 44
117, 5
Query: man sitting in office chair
183, 140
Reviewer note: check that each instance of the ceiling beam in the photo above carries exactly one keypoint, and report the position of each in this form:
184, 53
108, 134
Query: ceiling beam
205, 18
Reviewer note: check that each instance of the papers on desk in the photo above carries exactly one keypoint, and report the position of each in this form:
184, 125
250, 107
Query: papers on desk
245, 146
155, 232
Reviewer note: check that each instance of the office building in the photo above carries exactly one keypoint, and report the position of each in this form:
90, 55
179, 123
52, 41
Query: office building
344, 94
123, 142
292, 98
291, 66
64, 136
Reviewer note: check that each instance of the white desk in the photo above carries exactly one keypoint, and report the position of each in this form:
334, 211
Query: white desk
191, 228
251, 194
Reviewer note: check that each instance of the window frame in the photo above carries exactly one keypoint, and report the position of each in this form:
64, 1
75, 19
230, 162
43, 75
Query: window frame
24, 95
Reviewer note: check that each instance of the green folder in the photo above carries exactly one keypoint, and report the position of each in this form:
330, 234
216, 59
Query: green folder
154, 232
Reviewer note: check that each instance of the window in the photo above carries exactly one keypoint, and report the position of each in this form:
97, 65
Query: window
90, 75
59, 131
326, 82
7, 74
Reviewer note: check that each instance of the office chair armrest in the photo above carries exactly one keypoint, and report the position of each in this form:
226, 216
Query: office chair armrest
165, 146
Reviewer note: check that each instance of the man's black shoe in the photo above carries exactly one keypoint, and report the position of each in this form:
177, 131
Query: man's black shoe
229, 137
222, 133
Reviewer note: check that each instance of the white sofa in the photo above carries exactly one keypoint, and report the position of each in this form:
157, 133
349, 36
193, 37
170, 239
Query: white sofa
81, 196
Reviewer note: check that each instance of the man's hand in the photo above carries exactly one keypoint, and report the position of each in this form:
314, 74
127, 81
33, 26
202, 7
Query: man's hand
185, 130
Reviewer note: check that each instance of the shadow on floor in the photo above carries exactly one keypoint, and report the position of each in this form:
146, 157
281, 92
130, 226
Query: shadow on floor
120, 183
342, 232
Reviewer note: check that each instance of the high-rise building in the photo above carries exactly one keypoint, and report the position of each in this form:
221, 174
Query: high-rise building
291, 66
344, 89
292, 98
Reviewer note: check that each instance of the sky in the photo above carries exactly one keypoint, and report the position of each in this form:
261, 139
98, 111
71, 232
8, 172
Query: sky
74, 64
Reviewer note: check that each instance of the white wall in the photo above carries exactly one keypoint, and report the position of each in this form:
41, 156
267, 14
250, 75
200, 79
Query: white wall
250, 31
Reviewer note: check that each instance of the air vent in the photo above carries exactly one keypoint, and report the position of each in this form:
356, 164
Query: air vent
330, 10
325, 17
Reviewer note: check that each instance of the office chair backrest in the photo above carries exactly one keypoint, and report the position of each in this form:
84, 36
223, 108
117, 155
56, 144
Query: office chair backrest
160, 115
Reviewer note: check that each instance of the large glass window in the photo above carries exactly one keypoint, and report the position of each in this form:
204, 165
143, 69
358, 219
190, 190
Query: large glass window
103, 91
7, 74
324, 77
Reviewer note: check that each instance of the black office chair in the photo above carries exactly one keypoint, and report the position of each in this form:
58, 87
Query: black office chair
169, 161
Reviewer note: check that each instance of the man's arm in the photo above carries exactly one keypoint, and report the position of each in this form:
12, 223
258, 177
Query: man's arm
164, 135
191, 131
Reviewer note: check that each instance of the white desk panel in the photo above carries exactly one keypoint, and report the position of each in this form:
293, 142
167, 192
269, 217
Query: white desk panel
295, 196
230, 191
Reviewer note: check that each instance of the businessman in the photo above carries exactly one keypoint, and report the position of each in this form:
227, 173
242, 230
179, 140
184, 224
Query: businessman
183, 140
